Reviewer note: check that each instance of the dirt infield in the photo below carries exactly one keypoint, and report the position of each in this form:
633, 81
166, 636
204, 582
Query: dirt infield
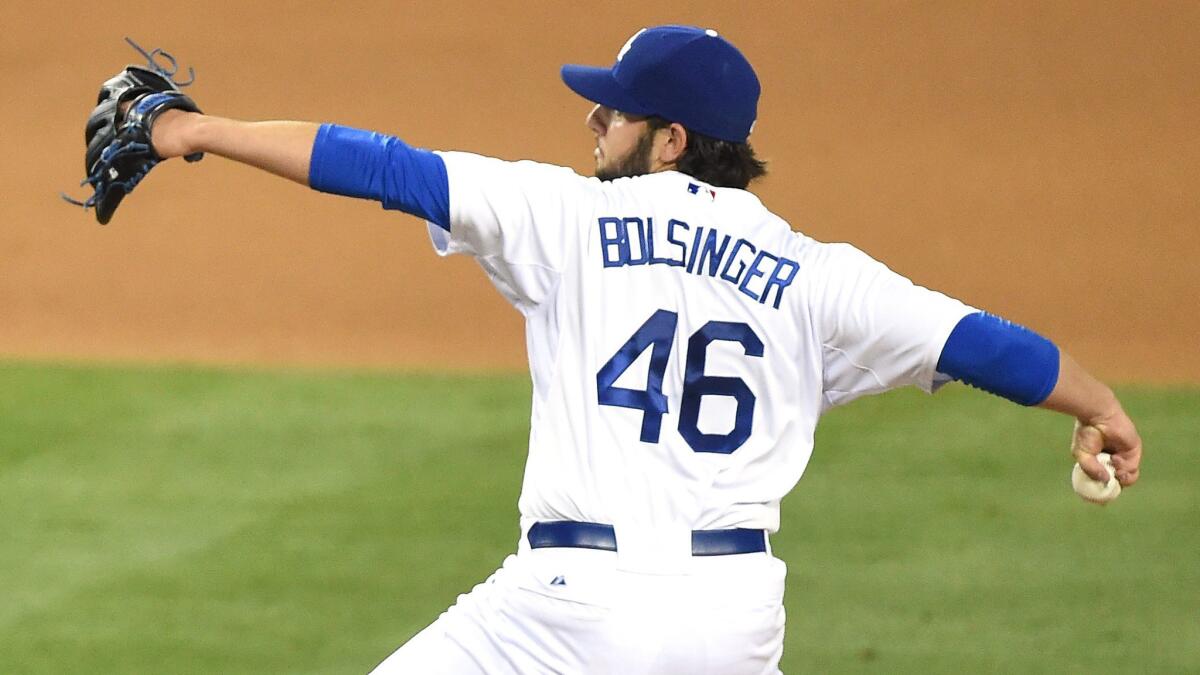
1038, 159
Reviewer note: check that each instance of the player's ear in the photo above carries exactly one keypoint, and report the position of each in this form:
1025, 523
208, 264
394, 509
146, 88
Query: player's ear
675, 143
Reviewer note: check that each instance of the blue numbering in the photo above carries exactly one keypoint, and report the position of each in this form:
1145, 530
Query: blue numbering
657, 333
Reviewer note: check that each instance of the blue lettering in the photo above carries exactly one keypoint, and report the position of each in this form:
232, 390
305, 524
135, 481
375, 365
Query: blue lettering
753, 273
691, 265
732, 258
650, 238
631, 225
619, 240
709, 250
630, 240
779, 281
671, 238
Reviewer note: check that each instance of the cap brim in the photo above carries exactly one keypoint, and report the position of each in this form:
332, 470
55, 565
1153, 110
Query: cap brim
599, 86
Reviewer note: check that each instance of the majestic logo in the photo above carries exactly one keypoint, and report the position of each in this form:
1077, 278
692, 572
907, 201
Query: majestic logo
628, 44
558, 581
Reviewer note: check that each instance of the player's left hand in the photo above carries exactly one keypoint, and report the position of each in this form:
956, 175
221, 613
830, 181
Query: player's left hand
1113, 433
119, 149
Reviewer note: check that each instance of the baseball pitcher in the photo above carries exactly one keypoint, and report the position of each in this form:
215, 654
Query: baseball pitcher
683, 342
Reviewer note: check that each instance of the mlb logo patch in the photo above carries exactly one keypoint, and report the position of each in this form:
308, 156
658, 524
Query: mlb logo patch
698, 190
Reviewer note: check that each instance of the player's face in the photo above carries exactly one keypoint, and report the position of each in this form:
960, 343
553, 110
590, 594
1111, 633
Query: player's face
624, 143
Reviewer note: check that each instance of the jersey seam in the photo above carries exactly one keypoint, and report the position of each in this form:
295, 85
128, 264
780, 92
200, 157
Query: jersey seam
522, 264
527, 306
859, 366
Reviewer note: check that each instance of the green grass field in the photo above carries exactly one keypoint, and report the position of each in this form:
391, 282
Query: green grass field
210, 521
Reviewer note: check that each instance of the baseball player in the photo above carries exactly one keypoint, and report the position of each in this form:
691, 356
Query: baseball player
683, 342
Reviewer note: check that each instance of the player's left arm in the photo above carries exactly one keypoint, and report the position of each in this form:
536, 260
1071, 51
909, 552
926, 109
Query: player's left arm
326, 157
281, 148
1011, 361
498, 205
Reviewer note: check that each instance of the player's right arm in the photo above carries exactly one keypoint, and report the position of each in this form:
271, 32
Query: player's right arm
1013, 362
881, 331
1101, 423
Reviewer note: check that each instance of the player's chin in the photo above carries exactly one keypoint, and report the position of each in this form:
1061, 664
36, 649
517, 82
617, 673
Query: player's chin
605, 173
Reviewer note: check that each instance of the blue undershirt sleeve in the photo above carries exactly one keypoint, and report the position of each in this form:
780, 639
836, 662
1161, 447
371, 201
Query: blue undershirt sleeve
1001, 357
369, 165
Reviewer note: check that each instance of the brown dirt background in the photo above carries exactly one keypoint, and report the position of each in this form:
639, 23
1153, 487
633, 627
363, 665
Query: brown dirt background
1038, 159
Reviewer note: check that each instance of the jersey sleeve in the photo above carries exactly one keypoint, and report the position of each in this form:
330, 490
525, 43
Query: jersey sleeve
878, 330
520, 220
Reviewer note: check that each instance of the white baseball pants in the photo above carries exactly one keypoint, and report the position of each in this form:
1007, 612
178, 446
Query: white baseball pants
568, 611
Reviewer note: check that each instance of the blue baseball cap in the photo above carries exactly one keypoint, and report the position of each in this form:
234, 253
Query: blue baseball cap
684, 74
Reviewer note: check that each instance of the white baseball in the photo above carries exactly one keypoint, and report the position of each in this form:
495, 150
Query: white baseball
1093, 490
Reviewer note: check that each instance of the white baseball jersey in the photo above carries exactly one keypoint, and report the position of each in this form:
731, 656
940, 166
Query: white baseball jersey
683, 340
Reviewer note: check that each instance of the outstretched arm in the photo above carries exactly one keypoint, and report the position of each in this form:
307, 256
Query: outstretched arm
330, 158
282, 148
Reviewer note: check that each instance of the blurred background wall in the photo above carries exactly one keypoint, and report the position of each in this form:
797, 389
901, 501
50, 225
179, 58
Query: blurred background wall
1037, 159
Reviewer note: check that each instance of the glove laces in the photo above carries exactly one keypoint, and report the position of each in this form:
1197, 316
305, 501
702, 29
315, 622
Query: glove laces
167, 71
104, 165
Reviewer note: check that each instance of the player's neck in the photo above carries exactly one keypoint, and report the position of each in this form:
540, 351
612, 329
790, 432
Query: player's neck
659, 167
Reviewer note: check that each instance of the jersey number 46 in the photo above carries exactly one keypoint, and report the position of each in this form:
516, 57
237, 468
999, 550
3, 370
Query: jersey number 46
658, 333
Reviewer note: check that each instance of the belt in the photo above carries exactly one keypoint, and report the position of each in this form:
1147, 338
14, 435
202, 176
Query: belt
571, 534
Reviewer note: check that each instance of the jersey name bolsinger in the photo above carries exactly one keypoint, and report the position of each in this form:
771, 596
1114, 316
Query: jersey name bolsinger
630, 241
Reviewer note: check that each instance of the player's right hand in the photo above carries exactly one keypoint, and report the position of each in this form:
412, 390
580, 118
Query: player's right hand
1113, 433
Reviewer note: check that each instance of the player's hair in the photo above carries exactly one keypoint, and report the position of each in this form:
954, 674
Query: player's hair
714, 161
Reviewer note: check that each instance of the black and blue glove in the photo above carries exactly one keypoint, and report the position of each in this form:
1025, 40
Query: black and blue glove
119, 151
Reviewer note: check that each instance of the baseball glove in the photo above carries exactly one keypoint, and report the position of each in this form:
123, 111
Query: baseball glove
119, 152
